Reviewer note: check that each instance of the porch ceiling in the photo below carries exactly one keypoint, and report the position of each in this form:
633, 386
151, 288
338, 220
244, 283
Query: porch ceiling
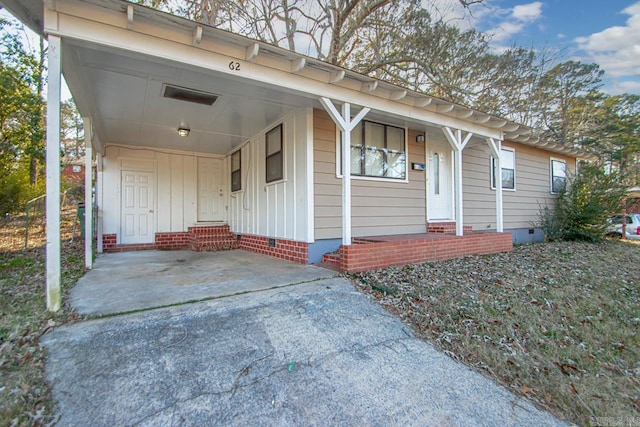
124, 96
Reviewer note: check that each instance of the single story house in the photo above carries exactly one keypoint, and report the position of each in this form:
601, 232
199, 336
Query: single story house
206, 139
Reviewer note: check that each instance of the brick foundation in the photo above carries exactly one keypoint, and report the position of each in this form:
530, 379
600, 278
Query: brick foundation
215, 238
289, 250
367, 256
446, 227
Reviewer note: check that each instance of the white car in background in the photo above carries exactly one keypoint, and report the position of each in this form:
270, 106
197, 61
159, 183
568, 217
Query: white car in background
632, 226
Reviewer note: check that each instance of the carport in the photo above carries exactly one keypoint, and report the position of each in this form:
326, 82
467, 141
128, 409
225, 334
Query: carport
133, 281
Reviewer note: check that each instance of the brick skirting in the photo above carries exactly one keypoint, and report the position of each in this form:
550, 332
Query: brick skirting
376, 255
289, 250
215, 238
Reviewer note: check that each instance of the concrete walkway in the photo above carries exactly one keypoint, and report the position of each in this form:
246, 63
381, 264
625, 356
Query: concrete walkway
128, 281
318, 353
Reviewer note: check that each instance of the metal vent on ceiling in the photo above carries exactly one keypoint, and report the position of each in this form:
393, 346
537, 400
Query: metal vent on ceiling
188, 95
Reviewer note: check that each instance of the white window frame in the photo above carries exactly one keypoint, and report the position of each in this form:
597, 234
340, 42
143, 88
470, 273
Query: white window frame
281, 153
551, 160
239, 152
493, 174
375, 178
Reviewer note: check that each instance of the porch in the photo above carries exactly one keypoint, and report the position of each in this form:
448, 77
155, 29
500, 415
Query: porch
372, 253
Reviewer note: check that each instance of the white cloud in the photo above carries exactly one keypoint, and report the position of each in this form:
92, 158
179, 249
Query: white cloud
617, 49
528, 12
515, 20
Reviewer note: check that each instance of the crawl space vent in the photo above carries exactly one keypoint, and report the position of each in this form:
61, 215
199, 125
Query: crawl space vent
188, 95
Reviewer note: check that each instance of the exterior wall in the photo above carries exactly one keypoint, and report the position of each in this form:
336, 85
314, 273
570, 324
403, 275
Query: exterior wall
175, 186
520, 207
378, 207
279, 209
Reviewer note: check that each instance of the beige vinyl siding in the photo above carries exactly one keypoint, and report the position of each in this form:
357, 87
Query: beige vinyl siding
378, 207
521, 207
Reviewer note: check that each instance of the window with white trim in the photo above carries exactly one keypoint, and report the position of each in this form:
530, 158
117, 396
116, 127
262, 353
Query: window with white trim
558, 175
508, 166
236, 166
378, 150
274, 158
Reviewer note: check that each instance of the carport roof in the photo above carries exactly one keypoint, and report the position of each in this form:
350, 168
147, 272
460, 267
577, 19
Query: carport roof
117, 73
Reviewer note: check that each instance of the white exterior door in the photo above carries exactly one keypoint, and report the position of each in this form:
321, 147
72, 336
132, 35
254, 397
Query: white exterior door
210, 190
440, 196
137, 223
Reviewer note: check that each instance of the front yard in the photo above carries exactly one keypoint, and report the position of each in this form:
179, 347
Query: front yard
556, 322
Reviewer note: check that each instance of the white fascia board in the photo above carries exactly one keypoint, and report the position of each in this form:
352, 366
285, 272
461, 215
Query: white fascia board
169, 48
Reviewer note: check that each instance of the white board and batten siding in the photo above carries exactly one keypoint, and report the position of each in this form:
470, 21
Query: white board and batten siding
532, 182
379, 207
173, 184
278, 209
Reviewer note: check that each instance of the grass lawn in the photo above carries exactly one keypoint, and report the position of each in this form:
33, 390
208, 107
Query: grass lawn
25, 396
558, 323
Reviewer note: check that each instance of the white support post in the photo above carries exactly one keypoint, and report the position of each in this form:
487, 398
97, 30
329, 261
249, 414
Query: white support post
53, 176
88, 194
99, 201
346, 124
457, 143
496, 146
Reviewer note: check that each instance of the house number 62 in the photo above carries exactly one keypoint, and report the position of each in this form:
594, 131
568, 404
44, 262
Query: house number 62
234, 66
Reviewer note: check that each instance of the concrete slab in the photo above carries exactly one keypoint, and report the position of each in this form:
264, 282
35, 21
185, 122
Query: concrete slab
128, 281
319, 353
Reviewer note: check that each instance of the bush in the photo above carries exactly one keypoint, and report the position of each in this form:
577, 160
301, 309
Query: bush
16, 190
583, 206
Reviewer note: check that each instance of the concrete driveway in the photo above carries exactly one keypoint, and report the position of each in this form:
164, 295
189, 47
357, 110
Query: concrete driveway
129, 281
317, 353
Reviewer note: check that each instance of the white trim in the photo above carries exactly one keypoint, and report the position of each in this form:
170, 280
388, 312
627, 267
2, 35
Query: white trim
457, 144
551, 160
54, 294
176, 47
492, 184
404, 180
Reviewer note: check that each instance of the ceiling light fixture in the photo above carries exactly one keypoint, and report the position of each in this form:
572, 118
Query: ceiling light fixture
183, 132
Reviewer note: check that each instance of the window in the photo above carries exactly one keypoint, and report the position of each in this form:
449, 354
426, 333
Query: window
236, 167
508, 166
378, 150
275, 169
558, 175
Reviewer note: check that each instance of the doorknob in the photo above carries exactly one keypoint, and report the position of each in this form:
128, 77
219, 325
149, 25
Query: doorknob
150, 210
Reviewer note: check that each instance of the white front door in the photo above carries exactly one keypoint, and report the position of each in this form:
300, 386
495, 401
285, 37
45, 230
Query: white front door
440, 196
210, 190
137, 224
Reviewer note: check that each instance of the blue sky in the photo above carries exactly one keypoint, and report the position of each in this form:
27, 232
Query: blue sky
606, 32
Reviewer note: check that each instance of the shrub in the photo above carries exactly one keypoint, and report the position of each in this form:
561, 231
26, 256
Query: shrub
583, 207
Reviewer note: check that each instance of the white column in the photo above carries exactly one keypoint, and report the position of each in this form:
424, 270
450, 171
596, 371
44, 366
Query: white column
346, 125
88, 199
457, 143
496, 146
99, 201
53, 176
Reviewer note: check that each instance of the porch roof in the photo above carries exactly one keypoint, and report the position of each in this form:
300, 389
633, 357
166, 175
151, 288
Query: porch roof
118, 55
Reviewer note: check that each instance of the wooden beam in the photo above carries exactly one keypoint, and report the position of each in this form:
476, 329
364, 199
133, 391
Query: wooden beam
129, 16
252, 52
197, 35
298, 64
336, 77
